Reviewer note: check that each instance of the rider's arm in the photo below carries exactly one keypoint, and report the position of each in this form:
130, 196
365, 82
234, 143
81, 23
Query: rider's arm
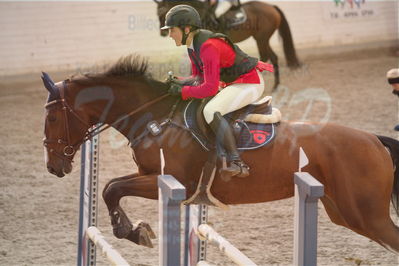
195, 77
211, 60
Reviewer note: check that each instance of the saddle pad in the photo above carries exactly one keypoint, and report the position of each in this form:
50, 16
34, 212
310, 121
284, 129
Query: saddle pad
190, 120
251, 135
254, 136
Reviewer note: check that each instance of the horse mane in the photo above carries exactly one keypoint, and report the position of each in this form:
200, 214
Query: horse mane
130, 67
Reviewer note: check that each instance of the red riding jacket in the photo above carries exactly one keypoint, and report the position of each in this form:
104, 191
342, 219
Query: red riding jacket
216, 54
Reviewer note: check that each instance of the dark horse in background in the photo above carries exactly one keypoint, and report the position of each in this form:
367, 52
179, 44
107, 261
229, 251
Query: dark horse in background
356, 168
262, 21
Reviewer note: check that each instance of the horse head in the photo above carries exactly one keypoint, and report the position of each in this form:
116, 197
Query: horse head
113, 98
64, 129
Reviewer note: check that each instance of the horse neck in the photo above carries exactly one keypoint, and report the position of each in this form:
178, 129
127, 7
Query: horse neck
108, 102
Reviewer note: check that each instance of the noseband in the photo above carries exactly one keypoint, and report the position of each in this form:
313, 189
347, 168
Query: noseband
70, 149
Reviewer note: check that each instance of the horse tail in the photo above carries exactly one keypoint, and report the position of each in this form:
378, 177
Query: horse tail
288, 43
393, 146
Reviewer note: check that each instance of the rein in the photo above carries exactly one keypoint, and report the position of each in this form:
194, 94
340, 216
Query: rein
70, 149
97, 130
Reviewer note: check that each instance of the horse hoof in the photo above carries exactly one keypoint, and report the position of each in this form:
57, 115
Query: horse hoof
120, 223
145, 225
140, 236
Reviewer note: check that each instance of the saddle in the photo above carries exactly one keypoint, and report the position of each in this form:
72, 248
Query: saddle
253, 125
234, 17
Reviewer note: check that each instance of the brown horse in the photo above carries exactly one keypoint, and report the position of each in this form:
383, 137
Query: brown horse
262, 21
355, 167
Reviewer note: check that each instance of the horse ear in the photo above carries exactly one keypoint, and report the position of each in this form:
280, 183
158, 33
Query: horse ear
50, 86
158, 1
48, 83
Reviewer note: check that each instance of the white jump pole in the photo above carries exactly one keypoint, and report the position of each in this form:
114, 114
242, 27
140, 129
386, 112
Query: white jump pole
107, 250
232, 252
171, 194
88, 200
195, 248
308, 190
307, 193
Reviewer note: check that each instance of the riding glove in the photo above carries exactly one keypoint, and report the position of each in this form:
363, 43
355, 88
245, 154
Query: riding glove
175, 89
171, 79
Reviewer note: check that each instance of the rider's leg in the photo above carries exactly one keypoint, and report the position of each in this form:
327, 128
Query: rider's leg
234, 97
228, 100
224, 136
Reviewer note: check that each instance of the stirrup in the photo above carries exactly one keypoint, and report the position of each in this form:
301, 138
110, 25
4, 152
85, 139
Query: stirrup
244, 169
237, 169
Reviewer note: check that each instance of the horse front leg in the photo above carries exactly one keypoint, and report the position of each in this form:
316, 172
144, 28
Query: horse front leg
145, 186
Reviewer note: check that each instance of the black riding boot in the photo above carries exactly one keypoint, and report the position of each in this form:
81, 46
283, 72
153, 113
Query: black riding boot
225, 137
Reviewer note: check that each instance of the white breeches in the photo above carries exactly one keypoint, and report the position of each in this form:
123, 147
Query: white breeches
222, 7
233, 97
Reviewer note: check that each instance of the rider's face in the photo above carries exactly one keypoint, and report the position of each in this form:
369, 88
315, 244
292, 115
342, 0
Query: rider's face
176, 34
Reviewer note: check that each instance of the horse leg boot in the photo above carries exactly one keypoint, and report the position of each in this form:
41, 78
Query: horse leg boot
120, 223
225, 137
141, 233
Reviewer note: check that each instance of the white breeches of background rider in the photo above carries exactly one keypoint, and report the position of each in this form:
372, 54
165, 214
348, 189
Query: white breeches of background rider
234, 97
222, 7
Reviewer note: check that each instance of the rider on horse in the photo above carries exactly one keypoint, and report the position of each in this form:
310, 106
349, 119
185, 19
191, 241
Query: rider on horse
216, 62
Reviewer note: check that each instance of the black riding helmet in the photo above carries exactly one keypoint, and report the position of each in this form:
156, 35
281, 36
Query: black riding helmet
181, 16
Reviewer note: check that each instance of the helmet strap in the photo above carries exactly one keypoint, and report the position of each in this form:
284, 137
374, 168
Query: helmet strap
185, 35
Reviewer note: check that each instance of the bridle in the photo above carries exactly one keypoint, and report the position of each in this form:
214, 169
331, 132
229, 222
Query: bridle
70, 149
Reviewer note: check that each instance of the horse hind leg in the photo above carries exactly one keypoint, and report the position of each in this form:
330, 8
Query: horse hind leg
274, 60
369, 216
382, 230
133, 185
332, 211
266, 53
387, 234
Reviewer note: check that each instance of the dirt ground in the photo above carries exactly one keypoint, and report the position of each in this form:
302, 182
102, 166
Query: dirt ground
39, 212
